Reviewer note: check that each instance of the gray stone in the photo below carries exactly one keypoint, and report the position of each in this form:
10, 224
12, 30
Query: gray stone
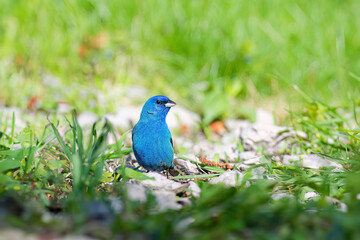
180, 116
236, 124
310, 161
202, 147
125, 117
228, 152
250, 157
278, 196
187, 165
183, 142
309, 195
338, 169
230, 138
63, 107
258, 173
136, 192
276, 158
224, 151
160, 182
246, 155
87, 119
166, 200
340, 205
271, 138
264, 117
229, 178
194, 189
116, 204
243, 167
7, 115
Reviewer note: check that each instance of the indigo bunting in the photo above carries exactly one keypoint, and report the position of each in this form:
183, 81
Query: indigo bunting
152, 142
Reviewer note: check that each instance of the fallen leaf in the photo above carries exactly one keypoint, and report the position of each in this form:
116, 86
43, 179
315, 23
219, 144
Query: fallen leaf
82, 51
32, 102
100, 40
218, 127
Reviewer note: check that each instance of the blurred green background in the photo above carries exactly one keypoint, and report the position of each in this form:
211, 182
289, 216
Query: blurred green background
218, 58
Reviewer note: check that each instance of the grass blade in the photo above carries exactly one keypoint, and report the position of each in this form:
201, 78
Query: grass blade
212, 175
61, 142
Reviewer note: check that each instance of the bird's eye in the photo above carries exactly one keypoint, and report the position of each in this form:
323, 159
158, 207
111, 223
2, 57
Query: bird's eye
158, 102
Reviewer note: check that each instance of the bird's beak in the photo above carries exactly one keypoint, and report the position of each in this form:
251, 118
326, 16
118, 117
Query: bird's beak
169, 104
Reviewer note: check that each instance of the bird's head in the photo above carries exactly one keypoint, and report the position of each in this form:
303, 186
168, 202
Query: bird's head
157, 107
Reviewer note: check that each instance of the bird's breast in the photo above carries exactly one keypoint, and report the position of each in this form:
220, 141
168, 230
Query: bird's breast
151, 134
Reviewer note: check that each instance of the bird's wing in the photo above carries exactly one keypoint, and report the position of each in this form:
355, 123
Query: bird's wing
171, 141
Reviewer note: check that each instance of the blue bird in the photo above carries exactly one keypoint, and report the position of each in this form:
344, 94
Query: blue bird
152, 141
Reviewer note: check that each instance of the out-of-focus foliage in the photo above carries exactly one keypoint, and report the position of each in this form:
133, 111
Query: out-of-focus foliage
200, 51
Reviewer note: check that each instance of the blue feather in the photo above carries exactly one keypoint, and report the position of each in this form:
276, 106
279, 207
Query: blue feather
152, 142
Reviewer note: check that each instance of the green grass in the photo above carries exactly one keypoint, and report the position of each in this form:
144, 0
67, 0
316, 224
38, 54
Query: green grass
201, 53
63, 173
